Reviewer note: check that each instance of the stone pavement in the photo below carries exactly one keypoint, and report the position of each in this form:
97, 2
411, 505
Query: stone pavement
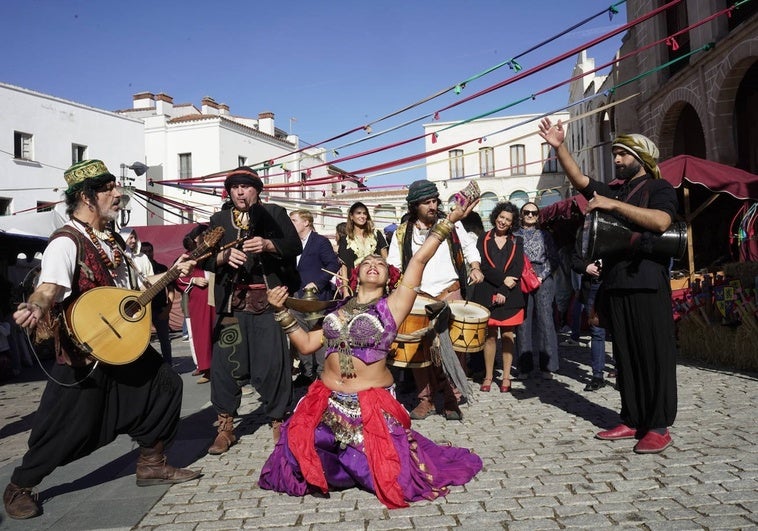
542, 467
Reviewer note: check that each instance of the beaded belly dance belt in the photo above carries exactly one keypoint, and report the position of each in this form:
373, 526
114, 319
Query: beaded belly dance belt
343, 417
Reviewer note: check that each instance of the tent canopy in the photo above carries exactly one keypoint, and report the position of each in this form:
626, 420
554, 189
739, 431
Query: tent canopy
40, 224
679, 170
682, 172
713, 175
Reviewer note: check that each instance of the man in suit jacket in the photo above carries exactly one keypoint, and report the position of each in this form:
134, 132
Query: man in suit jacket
318, 255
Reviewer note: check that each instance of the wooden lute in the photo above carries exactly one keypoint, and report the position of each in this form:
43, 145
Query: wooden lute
113, 324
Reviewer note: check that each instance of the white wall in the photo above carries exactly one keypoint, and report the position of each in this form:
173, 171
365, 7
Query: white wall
55, 125
504, 182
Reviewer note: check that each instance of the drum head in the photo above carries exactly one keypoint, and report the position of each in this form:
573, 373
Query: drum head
468, 311
419, 305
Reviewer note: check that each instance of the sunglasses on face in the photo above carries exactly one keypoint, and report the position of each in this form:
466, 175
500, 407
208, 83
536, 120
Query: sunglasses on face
530, 212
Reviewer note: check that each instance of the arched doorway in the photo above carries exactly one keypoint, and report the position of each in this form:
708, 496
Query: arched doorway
746, 121
689, 138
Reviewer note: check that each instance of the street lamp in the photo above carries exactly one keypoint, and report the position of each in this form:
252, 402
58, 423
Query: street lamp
127, 188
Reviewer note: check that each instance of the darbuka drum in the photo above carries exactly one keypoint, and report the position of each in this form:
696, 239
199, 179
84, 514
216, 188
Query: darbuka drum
468, 325
411, 352
606, 235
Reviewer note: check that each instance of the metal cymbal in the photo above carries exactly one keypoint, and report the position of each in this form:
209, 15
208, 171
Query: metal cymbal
309, 305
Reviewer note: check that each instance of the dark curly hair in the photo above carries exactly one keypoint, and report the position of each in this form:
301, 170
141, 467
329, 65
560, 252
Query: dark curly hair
505, 206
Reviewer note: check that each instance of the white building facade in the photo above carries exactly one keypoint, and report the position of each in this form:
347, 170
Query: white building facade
43, 135
184, 143
504, 155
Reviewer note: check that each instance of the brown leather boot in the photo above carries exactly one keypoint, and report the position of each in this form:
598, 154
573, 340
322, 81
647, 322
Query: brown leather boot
20, 503
152, 468
450, 407
225, 438
424, 408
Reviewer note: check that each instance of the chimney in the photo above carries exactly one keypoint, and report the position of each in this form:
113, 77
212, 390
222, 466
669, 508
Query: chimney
266, 123
223, 109
143, 100
164, 104
209, 106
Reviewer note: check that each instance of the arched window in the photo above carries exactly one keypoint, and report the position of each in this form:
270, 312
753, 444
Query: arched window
548, 197
384, 215
486, 206
519, 198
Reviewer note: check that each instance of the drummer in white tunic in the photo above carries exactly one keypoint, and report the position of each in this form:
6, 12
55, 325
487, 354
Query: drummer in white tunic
445, 278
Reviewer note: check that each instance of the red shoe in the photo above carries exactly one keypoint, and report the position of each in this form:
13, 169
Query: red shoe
622, 431
486, 385
505, 387
653, 443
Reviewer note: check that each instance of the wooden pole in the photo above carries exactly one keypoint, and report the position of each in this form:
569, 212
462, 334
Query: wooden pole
688, 219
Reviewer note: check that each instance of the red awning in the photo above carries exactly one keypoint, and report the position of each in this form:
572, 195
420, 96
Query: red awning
713, 175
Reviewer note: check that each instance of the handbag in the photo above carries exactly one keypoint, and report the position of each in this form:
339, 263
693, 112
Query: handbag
529, 279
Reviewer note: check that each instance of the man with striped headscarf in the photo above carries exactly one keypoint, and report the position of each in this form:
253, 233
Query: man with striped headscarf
637, 293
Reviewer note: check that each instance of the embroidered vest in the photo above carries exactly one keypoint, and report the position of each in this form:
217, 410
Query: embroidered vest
90, 272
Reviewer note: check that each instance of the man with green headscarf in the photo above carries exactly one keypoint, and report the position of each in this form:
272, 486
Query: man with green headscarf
637, 293
87, 403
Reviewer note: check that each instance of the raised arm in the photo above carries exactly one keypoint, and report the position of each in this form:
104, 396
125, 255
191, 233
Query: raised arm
400, 301
555, 135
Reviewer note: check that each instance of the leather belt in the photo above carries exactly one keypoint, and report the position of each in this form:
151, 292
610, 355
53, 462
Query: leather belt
455, 286
249, 286
250, 298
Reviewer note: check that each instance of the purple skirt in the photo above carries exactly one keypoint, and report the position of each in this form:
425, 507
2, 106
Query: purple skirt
427, 469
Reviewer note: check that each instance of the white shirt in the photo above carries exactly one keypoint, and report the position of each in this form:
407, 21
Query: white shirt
303, 241
440, 271
60, 258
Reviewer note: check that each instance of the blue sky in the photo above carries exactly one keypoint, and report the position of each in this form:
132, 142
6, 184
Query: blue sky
332, 65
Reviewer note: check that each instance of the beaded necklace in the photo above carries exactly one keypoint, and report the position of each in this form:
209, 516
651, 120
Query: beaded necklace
353, 307
96, 237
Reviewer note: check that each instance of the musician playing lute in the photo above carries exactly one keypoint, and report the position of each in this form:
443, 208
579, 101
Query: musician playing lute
86, 404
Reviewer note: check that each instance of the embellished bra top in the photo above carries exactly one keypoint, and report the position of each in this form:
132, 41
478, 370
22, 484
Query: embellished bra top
367, 335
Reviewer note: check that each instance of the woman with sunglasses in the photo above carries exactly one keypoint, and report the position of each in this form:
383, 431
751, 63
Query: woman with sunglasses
537, 334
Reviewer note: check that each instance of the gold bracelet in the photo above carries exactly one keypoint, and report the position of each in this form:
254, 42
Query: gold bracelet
401, 283
285, 319
291, 327
442, 229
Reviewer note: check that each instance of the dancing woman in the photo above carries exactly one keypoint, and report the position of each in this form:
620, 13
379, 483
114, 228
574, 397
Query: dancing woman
349, 430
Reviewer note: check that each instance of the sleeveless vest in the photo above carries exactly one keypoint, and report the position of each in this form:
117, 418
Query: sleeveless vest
90, 272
